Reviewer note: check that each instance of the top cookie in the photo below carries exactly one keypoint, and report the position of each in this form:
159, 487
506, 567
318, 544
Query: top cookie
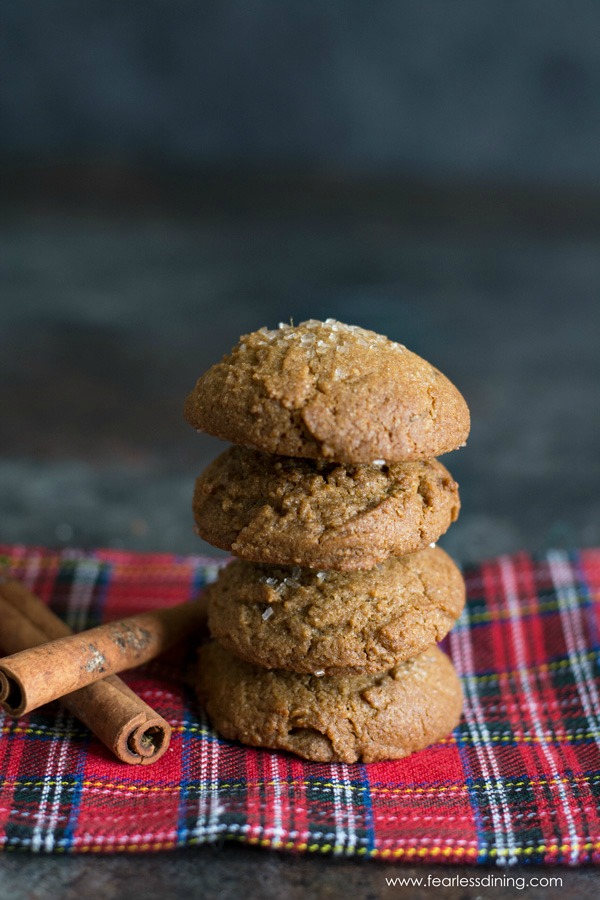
329, 390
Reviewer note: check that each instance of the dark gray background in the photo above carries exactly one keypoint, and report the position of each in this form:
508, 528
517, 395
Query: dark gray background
108, 320
171, 177
504, 88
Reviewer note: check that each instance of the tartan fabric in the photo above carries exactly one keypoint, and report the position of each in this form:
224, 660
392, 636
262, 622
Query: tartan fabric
518, 781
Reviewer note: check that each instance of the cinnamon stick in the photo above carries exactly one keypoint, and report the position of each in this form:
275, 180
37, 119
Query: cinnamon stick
40, 674
113, 712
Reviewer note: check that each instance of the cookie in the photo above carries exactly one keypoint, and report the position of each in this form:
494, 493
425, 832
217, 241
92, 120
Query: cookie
329, 390
274, 509
337, 718
327, 622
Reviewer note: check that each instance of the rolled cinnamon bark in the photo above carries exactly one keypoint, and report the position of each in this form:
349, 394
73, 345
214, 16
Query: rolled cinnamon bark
43, 673
115, 714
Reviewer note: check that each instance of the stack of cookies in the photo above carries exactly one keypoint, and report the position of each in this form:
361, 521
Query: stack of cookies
325, 627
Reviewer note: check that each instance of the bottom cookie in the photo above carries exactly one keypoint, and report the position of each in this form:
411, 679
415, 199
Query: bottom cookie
336, 718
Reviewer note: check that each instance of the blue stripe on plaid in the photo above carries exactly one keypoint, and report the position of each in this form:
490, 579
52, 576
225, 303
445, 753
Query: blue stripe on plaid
588, 602
95, 615
194, 722
369, 834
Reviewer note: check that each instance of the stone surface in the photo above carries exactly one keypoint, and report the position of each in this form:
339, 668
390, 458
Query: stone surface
228, 872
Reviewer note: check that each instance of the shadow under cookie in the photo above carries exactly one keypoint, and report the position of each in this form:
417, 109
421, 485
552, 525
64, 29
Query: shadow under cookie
330, 622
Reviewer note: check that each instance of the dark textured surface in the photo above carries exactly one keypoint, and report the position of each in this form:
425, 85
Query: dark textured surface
106, 321
495, 89
229, 873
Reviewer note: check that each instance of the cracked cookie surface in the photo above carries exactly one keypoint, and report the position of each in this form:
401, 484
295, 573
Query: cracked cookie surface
326, 622
322, 515
343, 718
329, 390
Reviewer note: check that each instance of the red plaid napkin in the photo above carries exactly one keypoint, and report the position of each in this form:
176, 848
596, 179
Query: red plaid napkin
518, 781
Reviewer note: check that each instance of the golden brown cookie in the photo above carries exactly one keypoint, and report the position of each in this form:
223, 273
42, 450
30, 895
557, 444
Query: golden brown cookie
326, 622
274, 509
341, 718
329, 390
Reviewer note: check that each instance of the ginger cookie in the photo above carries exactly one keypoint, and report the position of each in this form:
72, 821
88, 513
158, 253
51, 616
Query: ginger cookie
329, 390
342, 718
319, 514
329, 622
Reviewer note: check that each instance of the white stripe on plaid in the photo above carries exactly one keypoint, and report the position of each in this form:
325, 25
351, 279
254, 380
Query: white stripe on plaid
340, 833
30, 575
44, 822
570, 616
80, 596
343, 805
516, 624
278, 831
215, 806
565, 586
462, 654
207, 820
199, 828
349, 796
